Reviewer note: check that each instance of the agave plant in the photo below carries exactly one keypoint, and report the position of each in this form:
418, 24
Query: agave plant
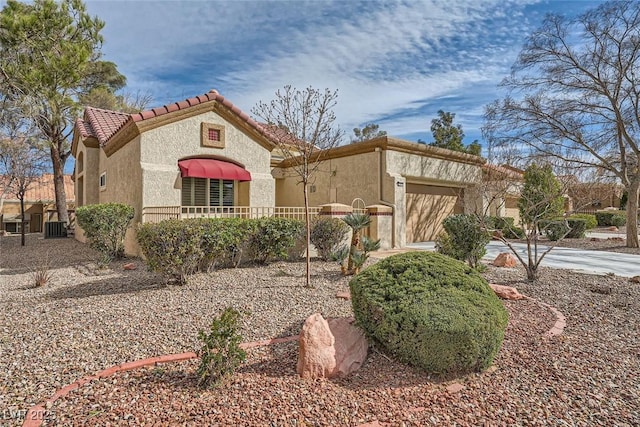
340, 255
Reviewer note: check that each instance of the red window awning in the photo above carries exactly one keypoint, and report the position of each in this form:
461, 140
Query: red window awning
211, 168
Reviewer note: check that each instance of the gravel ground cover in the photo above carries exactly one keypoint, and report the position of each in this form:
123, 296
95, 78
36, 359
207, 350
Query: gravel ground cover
87, 320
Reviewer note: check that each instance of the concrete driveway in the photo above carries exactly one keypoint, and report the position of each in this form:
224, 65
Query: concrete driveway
598, 262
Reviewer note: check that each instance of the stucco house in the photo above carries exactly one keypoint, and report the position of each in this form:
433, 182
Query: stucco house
40, 205
205, 157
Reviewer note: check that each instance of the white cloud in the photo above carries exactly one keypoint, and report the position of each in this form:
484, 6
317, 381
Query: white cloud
385, 58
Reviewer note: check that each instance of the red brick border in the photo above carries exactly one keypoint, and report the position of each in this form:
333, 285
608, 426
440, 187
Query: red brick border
561, 321
36, 414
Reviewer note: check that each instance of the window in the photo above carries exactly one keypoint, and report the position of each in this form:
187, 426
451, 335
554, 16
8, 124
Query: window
212, 135
103, 180
207, 192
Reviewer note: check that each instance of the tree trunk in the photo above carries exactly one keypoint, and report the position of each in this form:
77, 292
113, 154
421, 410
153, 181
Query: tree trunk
308, 225
632, 213
58, 161
22, 220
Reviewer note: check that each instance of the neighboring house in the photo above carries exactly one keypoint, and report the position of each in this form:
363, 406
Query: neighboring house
593, 196
40, 205
502, 190
205, 157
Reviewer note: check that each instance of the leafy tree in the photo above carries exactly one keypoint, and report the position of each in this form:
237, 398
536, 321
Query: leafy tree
541, 196
450, 136
369, 131
301, 123
49, 58
574, 97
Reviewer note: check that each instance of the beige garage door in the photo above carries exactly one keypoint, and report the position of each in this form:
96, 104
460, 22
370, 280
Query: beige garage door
427, 207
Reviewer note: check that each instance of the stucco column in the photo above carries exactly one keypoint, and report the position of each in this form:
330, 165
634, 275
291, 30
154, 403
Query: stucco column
335, 210
400, 214
381, 225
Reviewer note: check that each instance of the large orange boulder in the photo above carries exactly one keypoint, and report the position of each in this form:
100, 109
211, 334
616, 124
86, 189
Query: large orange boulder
330, 348
506, 292
505, 260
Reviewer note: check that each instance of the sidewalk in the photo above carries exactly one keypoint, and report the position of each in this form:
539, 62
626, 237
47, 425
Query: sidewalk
598, 262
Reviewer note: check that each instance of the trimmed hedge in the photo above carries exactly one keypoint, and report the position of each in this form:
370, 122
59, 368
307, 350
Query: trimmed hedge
578, 227
506, 225
571, 228
274, 237
172, 247
430, 311
609, 218
180, 248
590, 220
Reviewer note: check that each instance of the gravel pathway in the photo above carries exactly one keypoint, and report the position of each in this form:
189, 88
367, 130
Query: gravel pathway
87, 320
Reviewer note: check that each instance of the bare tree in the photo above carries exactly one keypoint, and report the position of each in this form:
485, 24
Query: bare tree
302, 124
22, 165
574, 97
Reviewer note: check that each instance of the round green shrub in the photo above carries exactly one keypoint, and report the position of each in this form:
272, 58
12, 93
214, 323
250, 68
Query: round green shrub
430, 311
591, 221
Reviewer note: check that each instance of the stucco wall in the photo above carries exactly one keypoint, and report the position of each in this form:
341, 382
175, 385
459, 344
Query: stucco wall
124, 184
338, 180
434, 170
162, 147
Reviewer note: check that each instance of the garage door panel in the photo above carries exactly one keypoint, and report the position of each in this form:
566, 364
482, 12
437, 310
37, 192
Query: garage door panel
427, 207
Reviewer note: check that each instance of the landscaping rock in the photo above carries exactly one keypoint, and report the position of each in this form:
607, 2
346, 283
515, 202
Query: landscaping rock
635, 279
497, 235
351, 345
454, 388
129, 266
330, 348
616, 239
505, 260
612, 228
595, 239
506, 292
317, 358
344, 295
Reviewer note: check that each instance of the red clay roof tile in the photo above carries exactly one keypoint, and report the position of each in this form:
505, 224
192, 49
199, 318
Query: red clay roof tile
103, 124
43, 190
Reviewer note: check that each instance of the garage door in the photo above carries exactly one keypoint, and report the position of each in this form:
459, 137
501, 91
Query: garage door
427, 207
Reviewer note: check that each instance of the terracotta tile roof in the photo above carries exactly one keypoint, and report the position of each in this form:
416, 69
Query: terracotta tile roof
103, 124
43, 190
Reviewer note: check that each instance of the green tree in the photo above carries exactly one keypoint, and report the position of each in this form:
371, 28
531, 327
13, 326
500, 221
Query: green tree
49, 58
450, 136
369, 131
574, 97
541, 196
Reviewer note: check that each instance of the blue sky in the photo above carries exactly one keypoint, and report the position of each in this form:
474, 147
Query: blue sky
393, 63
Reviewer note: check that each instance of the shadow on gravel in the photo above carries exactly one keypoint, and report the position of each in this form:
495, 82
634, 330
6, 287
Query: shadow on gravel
38, 252
109, 286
